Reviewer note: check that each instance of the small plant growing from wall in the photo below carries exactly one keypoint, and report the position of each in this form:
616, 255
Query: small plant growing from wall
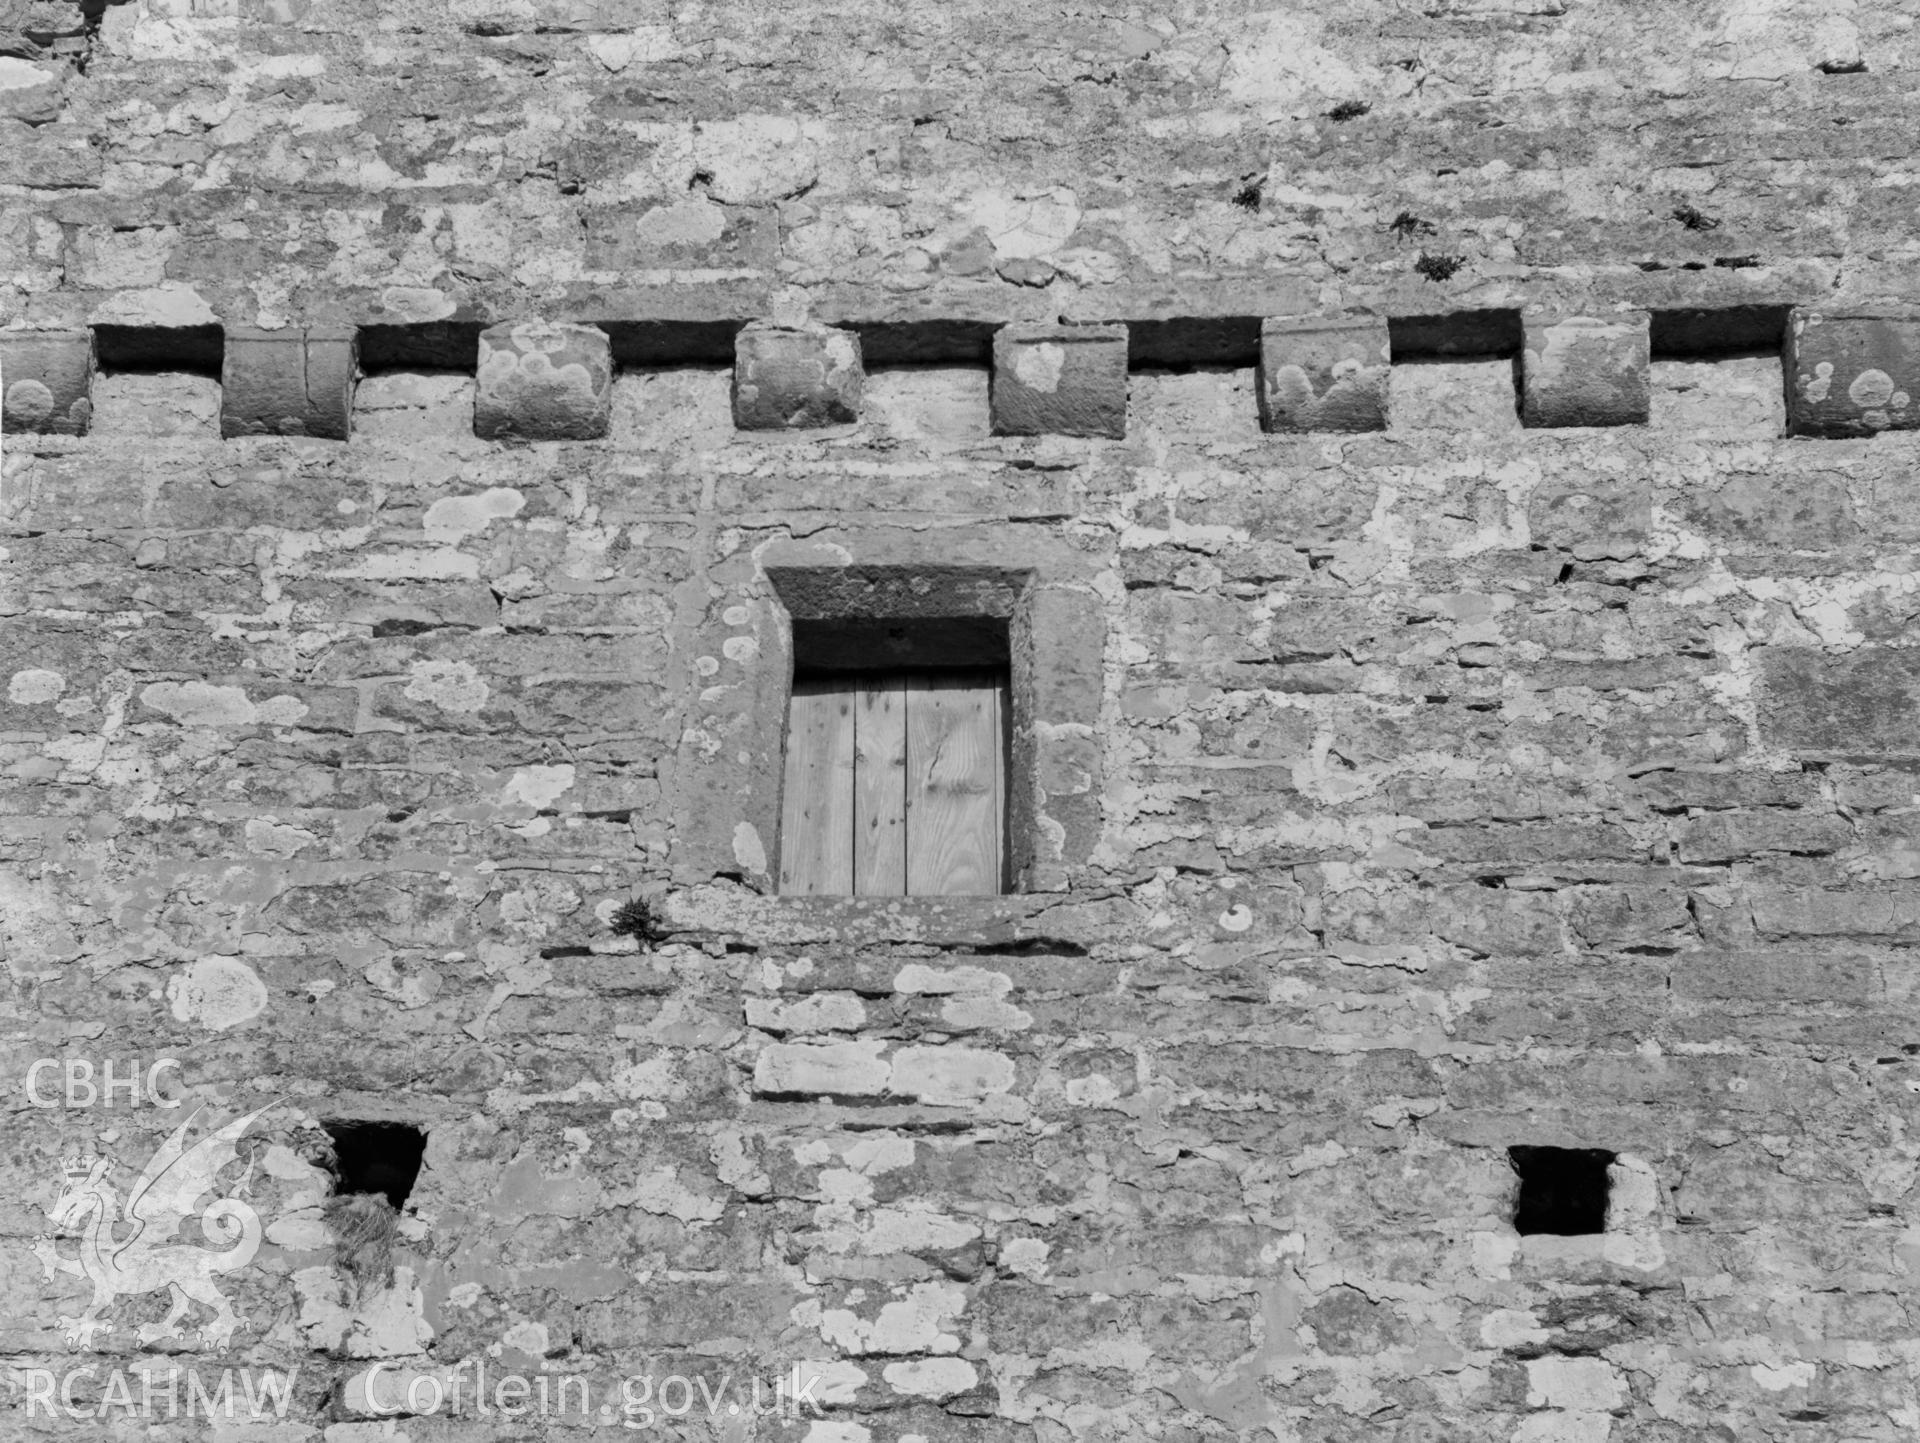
1438, 268
637, 919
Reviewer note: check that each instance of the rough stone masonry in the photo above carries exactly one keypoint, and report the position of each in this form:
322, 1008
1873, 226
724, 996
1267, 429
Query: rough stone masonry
1445, 475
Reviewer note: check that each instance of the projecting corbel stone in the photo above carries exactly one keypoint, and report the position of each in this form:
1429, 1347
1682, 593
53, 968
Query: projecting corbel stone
288, 383
48, 376
1326, 375
1060, 381
1850, 374
543, 381
1584, 370
786, 378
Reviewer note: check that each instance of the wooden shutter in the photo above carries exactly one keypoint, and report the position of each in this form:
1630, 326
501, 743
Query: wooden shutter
896, 785
816, 815
879, 787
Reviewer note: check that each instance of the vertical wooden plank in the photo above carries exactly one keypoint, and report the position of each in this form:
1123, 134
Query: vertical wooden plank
880, 786
956, 784
816, 810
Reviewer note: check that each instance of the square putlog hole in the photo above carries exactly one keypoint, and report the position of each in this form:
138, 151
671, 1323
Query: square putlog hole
1563, 1190
376, 1157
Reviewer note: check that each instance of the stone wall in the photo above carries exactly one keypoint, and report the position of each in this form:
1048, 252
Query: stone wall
1399, 796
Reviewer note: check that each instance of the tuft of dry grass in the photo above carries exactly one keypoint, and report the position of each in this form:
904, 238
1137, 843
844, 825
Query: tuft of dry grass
364, 1225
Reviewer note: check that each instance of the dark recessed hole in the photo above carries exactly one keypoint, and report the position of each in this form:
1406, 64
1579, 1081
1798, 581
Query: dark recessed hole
843, 644
1563, 1190
1722, 333
376, 1157
428, 346
672, 342
926, 342
198, 349
1481, 334
1220, 341
402, 626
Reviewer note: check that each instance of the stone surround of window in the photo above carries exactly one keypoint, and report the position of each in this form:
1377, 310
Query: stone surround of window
944, 581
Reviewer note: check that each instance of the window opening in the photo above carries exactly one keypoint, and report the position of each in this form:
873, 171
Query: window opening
1563, 1190
896, 782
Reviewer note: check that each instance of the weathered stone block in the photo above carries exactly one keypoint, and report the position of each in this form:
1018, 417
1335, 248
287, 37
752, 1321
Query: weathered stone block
951, 1076
543, 381
1324, 375
841, 1069
1585, 370
788, 377
31, 92
1754, 976
1060, 381
1851, 375
48, 157
48, 376
288, 383
1595, 518
1862, 705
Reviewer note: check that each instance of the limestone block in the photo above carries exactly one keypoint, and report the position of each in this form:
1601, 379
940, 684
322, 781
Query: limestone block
789, 377
841, 1069
951, 1076
48, 376
1324, 375
543, 381
1585, 370
30, 92
288, 383
60, 156
1595, 517
1851, 375
1060, 381
1860, 705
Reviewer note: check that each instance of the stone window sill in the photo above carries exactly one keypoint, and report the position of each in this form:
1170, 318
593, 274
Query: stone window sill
722, 912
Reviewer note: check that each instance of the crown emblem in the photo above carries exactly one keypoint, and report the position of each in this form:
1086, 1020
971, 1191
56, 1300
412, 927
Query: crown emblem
76, 1165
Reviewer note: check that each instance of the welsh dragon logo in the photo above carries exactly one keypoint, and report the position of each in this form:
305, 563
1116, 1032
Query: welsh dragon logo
139, 1252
